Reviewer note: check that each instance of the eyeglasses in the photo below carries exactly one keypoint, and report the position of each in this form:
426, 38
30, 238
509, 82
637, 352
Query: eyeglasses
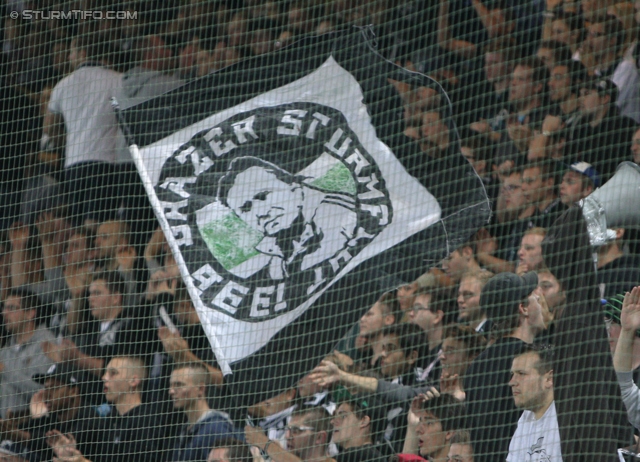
297, 430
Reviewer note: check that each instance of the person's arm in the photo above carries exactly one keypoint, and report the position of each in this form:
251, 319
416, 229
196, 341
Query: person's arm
328, 374
54, 127
178, 348
485, 247
255, 437
18, 235
464, 49
52, 248
68, 351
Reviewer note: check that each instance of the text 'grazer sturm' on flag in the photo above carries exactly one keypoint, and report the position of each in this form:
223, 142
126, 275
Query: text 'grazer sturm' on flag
292, 199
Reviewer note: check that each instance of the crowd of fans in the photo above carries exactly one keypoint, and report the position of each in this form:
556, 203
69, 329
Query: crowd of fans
103, 355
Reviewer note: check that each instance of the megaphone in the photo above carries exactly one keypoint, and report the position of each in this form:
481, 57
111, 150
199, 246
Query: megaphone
614, 205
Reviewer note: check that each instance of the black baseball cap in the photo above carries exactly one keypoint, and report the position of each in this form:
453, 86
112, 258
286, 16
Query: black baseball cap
62, 372
505, 291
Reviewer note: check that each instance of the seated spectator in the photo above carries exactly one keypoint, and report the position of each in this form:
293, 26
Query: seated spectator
434, 423
580, 180
188, 391
230, 450
354, 424
23, 355
460, 261
513, 304
469, 310
532, 386
530, 253
552, 53
112, 332
564, 91
132, 431
601, 128
307, 434
553, 293
461, 449
564, 27
618, 272
539, 189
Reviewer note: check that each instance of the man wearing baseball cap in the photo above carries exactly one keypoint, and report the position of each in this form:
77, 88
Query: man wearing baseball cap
514, 305
578, 181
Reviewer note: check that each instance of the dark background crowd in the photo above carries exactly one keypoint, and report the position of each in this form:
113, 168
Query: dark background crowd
103, 356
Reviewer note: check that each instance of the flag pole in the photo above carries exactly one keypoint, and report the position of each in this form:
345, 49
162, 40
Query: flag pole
166, 228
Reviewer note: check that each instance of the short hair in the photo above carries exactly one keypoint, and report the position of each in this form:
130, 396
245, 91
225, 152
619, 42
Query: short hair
482, 276
137, 364
28, 301
448, 410
113, 280
537, 231
540, 74
573, 20
545, 354
577, 73
391, 305
316, 416
241, 164
561, 52
474, 342
410, 338
199, 372
461, 437
438, 297
546, 167
613, 27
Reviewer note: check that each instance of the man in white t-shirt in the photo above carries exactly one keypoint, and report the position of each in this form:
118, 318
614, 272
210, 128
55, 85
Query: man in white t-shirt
80, 105
537, 438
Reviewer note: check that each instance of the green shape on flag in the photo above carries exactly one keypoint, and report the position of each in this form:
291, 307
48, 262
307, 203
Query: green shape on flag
337, 179
230, 240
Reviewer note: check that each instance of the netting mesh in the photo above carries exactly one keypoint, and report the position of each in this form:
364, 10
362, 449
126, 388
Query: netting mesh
313, 230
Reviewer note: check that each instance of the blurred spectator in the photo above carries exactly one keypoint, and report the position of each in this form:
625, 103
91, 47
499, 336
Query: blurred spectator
461, 346
188, 391
353, 431
23, 356
461, 449
530, 253
80, 105
532, 386
539, 189
553, 53
230, 450
635, 147
564, 27
578, 181
460, 261
512, 303
618, 271
469, 310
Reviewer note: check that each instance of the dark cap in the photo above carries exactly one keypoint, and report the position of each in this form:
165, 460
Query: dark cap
505, 291
61, 372
603, 86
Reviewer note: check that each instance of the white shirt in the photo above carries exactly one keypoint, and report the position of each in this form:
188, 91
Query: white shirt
83, 98
536, 440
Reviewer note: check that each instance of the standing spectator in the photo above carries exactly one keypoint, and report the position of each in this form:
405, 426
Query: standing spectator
513, 304
531, 382
353, 431
23, 356
80, 103
470, 311
578, 181
188, 391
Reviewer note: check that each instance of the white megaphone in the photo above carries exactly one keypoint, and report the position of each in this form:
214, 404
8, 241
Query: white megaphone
614, 205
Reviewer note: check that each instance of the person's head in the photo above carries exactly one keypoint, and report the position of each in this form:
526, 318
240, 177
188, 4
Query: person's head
78, 249
124, 375
229, 450
513, 302
552, 53
461, 345
188, 386
469, 290
512, 190
460, 261
532, 377
567, 28
385, 312
434, 129
552, 290
578, 182
605, 35
264, 196
566, 79
308, 432
591, 9
499, 55
635, 147
20, 311
400, 346
477, 151
530, 252
440, 418
596, 97
461, 449
152, 52
61, 388
110, 236
528, 80
106, 295
352, 424
427, 311
538, 182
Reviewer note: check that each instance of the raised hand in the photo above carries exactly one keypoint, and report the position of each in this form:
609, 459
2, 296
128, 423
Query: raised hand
630, 315
325, 375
